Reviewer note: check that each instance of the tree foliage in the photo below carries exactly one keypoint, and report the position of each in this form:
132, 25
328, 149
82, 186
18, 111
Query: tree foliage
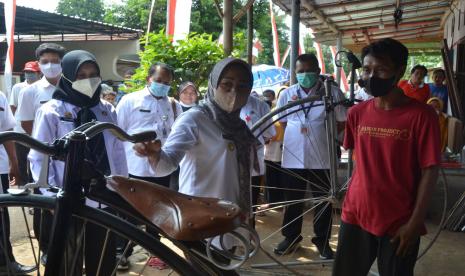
88, 9
192, 58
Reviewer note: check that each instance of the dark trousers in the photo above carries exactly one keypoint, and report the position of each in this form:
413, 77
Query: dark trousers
21, 155
273, 179
357, 250
5, 244
319, 185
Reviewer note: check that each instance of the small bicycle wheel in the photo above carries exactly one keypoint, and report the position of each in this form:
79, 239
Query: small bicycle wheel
107, 245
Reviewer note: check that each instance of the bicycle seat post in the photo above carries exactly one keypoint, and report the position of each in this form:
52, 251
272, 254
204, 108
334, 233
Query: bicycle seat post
68, 198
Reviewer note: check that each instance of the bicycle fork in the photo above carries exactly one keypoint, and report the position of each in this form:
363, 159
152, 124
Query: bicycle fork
70, 197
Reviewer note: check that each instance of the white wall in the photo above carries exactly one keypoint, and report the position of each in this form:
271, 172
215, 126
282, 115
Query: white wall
106, 52
454, 28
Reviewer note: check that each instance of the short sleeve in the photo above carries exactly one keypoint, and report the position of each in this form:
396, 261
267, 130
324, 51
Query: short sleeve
268, 127
121, 113
13, 101
428, 140
25, 111
7, 121
282, 101
349, 138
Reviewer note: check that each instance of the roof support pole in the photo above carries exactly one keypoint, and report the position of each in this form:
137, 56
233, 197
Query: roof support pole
295, 13
249, 34
227, 26
338, 48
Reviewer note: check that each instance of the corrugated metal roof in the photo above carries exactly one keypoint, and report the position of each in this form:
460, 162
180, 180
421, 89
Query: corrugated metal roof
30, 21
361, 21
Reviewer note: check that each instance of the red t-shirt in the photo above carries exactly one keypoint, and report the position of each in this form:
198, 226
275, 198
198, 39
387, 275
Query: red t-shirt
416, 92
392, 147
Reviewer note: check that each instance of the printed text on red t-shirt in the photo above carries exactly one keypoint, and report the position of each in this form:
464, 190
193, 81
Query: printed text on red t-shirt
379, 132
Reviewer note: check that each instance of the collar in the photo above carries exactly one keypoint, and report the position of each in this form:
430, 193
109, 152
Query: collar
312, 91
43, 82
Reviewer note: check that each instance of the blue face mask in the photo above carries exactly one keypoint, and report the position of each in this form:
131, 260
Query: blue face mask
307, 80
159, 89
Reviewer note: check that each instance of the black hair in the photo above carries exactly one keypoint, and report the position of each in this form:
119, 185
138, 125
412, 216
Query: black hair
439, 71
419, 67
307, 58
50, 48
390, 48
269, 91
161, 65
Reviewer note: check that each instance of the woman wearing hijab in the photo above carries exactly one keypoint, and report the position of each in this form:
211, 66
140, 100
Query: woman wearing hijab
76, 101
213, 146
188, 95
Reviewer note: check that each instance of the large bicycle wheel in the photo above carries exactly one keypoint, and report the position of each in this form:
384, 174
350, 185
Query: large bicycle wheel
96, 236
320, 200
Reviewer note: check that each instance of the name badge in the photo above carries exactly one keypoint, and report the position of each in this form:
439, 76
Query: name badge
303, 128
144, 110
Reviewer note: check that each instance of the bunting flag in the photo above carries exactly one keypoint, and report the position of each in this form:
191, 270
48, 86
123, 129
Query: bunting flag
276, 55
10, 14
286, 55
178, 18
257, 47
319, 56
344, 85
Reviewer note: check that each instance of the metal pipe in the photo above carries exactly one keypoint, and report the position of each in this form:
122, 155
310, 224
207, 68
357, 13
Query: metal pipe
227, 26
338, 48
250, 34
295, 12
331, 134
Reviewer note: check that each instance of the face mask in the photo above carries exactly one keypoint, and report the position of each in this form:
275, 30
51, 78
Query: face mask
50, 70
159, 89
378, 87
87, 86
307, 80
231, 101
31, 76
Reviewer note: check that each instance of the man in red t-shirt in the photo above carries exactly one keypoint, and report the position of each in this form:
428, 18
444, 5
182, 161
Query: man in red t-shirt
396, 140
415, 87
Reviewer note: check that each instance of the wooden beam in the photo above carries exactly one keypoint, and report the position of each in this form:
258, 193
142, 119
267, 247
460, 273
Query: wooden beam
227, 27
243, 11
318, 14
447, 13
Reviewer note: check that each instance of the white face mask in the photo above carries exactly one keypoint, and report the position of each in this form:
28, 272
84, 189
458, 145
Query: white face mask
187, 105
87, 86
50, 70
231, 101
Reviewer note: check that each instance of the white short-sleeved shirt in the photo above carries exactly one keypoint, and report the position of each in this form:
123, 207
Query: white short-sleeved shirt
140, 111
55, 119
307, 150
32, 97
7, 122
253, 111
14, 101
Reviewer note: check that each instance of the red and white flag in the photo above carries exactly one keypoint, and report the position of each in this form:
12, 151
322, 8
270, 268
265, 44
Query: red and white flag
343, 85
10, 14
286, 55
178, 18
319, 56
274, 31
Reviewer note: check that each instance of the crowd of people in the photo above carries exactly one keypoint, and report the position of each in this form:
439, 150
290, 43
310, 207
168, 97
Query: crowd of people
206, 148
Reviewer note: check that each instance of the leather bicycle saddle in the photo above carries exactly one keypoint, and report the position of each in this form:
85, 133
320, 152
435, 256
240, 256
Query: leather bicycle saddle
180, 216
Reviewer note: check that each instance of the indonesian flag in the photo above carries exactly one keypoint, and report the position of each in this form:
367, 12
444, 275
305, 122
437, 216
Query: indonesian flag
319, 56
286, 55
257, 47
178, 18
343, 83
10, 14
274, 31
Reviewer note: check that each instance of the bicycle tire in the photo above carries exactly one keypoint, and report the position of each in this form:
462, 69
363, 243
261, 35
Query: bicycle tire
110, 222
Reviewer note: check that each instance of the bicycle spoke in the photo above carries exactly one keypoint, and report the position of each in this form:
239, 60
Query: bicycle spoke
28, 229
104, 249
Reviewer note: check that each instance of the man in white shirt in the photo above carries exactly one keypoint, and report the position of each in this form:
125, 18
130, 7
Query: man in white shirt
253, 111
148, 109
49, 56
8, 170
305, 156
31, 74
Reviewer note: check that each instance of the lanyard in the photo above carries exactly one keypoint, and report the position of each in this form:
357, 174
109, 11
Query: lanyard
307, 110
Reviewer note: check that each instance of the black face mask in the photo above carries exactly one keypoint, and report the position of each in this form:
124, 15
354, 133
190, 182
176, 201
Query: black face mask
378, 87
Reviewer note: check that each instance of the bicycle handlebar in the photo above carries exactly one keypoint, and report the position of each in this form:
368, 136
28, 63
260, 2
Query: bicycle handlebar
99, 127
89, 129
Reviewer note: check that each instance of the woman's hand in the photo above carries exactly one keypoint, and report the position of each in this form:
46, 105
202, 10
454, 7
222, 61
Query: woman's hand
151, 150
